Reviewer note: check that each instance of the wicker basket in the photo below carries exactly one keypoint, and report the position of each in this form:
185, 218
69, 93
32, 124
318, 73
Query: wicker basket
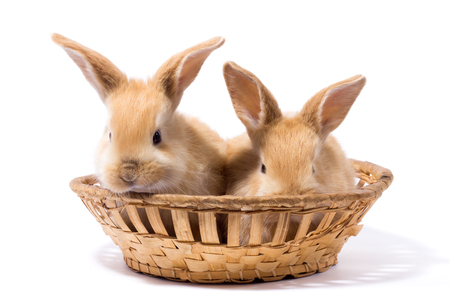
148, 248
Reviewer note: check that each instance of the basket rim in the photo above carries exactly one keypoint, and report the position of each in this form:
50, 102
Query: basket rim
377, 177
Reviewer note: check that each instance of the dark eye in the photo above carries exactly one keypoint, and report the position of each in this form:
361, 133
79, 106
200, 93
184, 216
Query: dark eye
157, 138
263, 169
110, 136
313, 170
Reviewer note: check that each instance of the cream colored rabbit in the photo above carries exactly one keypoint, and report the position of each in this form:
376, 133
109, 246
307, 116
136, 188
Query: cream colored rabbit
289, 154
147, 145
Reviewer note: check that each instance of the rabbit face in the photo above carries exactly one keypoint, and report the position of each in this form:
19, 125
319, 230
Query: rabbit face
134, 152
287, 154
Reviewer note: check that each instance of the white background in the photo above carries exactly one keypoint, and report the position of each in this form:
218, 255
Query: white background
51, 120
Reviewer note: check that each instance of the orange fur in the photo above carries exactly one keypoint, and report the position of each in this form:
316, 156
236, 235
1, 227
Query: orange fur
297, 151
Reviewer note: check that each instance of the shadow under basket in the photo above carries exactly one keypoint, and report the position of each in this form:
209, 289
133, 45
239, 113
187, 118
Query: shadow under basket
186, 250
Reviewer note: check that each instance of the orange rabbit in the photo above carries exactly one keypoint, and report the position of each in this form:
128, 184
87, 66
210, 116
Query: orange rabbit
147, 145
288, 154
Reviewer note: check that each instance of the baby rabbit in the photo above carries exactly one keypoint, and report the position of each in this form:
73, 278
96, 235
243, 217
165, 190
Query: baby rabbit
147, 146
289, 154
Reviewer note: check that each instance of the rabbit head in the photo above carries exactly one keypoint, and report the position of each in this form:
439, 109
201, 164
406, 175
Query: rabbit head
143, 140
292, 153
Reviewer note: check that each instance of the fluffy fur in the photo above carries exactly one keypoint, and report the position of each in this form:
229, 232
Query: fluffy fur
190, 157
289, 154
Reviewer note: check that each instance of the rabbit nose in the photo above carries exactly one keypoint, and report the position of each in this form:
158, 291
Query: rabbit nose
129, 171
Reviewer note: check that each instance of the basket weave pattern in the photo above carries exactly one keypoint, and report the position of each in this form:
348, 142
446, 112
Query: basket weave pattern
148, 248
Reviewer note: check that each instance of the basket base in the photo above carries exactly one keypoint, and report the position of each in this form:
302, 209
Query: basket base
244, 276
167, 257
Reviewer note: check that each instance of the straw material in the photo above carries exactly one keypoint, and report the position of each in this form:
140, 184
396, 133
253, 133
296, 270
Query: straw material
197, 254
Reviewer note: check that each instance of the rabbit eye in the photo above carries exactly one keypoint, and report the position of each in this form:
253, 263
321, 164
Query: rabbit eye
313, 170
263, 169
157, 138
110, 136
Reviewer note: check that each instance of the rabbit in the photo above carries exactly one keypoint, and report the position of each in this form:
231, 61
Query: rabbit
148, 146
286, 154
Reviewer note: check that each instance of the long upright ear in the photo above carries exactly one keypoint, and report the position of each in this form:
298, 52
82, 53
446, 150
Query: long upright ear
177, 73
99, 71
254, 104
326, 110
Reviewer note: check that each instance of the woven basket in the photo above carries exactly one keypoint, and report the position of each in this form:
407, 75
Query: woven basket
148, 248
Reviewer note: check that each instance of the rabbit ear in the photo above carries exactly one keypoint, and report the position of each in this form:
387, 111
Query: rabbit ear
177, 73
101, 73
254, 104
326, 110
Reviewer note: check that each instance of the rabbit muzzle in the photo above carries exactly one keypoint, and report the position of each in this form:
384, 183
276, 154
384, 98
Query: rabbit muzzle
129, 171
